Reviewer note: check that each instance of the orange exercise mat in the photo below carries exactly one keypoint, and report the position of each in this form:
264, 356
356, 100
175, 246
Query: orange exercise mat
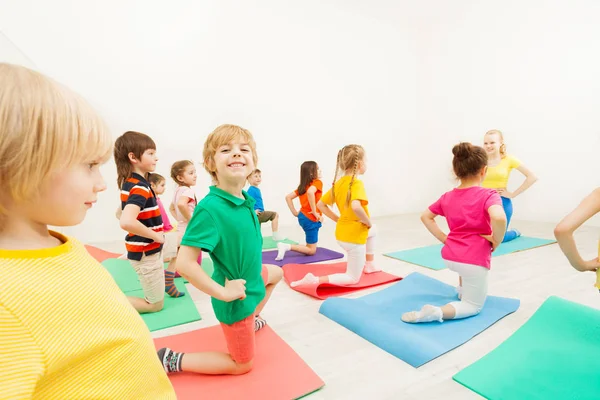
278, 372
295, 272
100, 254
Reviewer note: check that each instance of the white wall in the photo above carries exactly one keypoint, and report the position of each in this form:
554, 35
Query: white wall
406, 80
305, 79
531, 69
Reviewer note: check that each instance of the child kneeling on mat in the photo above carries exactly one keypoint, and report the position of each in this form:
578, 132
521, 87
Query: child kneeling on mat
563, 232
477, 224
254, 179
66, 329
225, 225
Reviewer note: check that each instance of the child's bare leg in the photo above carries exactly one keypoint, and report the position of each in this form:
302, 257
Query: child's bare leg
282, 248
213, 363
142, 306
275, 223
275, 275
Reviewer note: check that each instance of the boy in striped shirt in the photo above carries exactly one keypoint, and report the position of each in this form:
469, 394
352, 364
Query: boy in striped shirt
135, 156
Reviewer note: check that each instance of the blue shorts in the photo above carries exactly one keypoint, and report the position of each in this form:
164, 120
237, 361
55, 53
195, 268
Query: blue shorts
311, 228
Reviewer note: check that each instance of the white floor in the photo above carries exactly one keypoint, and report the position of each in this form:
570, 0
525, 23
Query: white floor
352, 368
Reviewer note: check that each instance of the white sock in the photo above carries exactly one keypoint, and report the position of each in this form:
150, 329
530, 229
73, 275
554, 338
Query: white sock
278, 237
281, 249
309, 279
427, 314
370, 267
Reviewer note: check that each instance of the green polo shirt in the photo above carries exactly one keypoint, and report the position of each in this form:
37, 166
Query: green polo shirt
228, 229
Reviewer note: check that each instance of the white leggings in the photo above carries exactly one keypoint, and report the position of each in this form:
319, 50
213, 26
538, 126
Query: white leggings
356, 260
474, 288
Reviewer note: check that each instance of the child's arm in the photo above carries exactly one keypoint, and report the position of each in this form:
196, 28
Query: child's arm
119, 212
327, 211
130, 223
312, 202
428, 219
172, 210
182, 206
565, 229
187, 266
498, 221
360, 213
290, 203
530, 179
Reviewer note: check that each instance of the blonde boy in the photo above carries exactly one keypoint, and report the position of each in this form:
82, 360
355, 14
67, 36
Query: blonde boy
225, 225
66, 330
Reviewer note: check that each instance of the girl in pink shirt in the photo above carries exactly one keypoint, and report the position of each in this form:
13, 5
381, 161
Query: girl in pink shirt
477, 224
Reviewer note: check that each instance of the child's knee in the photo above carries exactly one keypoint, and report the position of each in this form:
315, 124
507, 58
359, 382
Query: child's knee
312, 250
242, 368
155, 307
275, 273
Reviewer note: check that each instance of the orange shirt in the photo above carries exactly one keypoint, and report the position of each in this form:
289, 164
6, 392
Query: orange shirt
305, 205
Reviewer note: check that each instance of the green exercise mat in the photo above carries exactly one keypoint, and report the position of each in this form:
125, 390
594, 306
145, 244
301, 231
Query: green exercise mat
176, 311
127, 279
554, 355
270, 243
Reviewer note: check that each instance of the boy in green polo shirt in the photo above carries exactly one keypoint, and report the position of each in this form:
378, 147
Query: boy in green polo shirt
225, 225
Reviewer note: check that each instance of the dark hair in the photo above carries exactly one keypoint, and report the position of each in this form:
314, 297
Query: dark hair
309, 171
468, 160
177, 169
155, 178
130, 142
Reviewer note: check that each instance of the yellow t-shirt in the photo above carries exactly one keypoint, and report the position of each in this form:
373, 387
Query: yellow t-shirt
497, 176
348, 228
68, 332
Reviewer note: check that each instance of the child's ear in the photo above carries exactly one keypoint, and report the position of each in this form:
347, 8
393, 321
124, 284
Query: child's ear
132, 158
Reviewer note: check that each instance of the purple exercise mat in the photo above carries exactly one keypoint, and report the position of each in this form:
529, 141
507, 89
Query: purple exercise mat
291, 257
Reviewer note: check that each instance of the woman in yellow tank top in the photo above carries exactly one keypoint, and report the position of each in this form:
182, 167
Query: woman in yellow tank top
500, 165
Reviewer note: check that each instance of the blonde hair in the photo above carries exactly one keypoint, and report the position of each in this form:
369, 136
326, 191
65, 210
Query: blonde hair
348, 158
223, 135
502, 146
44, 128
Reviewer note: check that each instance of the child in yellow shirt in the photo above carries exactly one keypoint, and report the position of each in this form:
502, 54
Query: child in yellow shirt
66, 329
353, 230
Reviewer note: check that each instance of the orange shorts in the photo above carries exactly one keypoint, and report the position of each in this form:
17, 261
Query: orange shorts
240, 335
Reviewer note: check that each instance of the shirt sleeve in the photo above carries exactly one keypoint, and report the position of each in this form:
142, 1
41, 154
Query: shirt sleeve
513, 162
492, 200
327, 198
21, 365
318, 184
201, 231
138, 195
436, 207
357, 192
188, 192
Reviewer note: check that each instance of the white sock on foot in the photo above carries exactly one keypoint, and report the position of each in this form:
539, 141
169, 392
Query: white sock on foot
309, 279
370, 267
281, 249
427, 314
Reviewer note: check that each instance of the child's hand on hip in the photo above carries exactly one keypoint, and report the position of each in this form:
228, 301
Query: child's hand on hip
490, 238
235, 289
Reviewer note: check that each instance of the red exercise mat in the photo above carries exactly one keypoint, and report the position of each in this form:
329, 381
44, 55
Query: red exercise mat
295, 272
100, 254
278, 372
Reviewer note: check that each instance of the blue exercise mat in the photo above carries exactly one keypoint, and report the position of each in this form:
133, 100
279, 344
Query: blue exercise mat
430, 256
377, 318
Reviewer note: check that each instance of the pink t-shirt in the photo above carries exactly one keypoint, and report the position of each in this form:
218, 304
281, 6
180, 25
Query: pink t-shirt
166, 221
466, 211
189, 193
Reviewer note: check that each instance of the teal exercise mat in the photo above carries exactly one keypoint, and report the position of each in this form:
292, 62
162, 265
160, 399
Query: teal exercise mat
176, 311
431, 257
554, 355
269, 243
